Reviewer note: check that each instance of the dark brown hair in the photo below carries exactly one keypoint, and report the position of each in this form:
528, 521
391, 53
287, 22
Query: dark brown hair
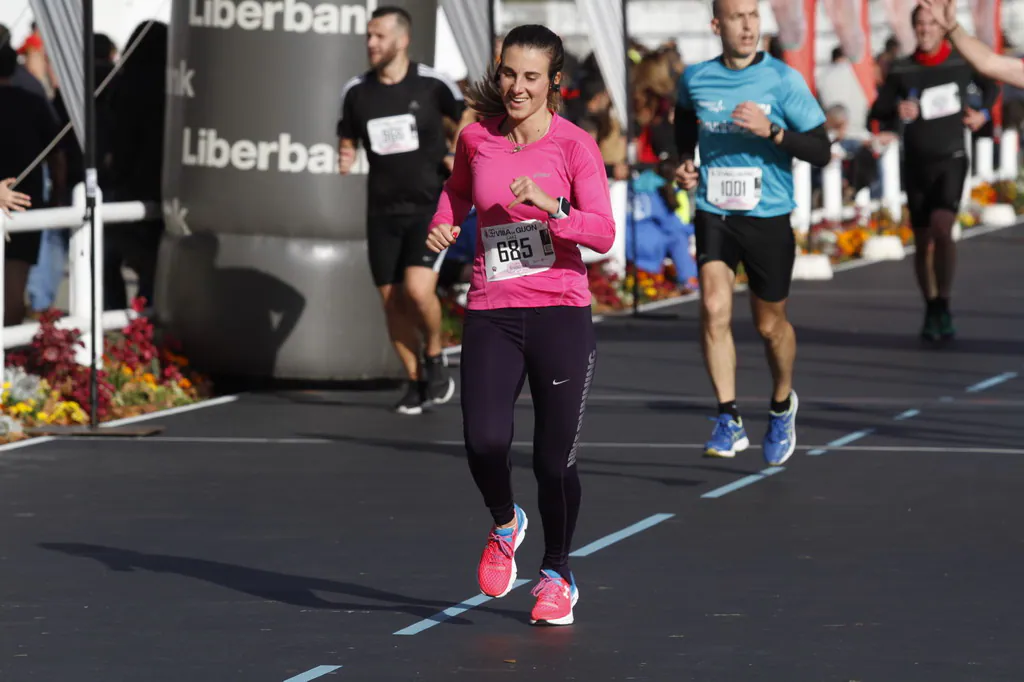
485, 96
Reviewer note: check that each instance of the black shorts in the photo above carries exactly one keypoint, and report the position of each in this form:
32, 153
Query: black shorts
397, 242
765, 246
932, 186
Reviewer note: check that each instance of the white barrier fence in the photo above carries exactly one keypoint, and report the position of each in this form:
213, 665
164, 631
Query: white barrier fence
893, 198
833, 208
79, 275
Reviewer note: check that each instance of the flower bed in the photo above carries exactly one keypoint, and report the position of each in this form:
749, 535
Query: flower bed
842, 241
612, 293
43, 385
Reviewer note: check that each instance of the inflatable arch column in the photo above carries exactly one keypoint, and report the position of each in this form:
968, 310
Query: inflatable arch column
263, 270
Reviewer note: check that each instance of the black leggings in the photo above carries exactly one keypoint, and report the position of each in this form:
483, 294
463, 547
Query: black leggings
555, 347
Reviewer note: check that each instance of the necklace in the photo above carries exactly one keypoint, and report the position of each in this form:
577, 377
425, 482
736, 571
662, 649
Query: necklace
517, 147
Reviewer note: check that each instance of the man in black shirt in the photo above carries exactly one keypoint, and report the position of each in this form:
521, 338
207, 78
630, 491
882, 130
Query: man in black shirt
924, 98
396, 110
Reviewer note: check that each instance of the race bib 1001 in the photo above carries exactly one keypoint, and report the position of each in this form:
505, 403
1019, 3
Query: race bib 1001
734, 189
940, 101
393, 134
517, 250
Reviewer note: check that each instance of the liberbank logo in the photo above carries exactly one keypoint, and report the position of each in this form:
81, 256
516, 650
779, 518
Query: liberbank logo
207, 149
291, 16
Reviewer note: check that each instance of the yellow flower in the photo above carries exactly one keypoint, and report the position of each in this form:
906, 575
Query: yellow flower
70, 409
20, 408
43, 417
126, 370
6, 385
149, 379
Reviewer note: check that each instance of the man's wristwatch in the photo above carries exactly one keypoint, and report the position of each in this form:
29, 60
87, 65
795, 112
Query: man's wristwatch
774, 131
563, 209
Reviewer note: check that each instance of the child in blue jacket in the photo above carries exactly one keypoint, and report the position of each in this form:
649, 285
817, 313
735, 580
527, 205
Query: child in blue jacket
661, 224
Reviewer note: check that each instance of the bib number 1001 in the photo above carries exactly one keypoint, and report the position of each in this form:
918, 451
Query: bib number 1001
733, 188
513, 250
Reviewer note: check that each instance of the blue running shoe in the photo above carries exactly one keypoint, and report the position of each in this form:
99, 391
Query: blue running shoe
780, 440
728, 438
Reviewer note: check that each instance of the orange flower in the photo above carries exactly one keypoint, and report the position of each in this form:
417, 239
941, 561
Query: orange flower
148, 378
185, 383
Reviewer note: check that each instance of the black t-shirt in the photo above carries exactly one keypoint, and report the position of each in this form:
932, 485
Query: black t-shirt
943, 86
400, 126
27, 125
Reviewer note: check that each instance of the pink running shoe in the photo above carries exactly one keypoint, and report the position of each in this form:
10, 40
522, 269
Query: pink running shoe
555, 598
497, 570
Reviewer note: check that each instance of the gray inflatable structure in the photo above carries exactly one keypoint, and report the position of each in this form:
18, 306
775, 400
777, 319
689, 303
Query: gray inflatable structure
263, 271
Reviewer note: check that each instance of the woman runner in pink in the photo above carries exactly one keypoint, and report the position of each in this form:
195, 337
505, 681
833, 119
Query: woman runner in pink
539, 186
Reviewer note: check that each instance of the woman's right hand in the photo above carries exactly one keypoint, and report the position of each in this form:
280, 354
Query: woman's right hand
441, 237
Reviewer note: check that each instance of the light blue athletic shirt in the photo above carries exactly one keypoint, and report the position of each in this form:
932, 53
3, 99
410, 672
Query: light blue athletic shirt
714, 91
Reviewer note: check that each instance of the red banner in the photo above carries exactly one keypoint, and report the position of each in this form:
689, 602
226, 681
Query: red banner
795, 19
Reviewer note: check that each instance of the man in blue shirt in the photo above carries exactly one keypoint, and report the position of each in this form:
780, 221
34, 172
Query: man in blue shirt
751, 115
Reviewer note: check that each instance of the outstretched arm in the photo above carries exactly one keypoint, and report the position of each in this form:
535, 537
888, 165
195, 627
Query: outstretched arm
1009, 70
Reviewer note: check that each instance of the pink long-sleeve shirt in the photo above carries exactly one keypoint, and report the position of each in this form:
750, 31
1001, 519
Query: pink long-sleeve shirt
566, 163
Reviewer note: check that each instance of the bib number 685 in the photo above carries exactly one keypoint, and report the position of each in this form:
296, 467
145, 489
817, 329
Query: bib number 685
514, 249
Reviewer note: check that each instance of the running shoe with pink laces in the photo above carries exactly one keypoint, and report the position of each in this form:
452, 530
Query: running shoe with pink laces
497, 570
555, 598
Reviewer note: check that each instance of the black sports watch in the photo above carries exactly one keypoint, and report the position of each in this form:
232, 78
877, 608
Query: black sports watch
563, 209
774, 131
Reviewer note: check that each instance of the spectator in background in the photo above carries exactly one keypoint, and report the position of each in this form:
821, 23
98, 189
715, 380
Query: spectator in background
674, 57
136, 114
655, 230
22, 78
653, 104
26, 128
885, 58
838, 85
46, 276
597, 118
37, 64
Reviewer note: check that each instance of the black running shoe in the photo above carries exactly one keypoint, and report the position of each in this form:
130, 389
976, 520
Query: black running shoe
930, 331
440, 385
413, 400
946, 329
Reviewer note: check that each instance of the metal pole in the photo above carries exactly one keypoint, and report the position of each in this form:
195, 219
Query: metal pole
492, 29
89, 73
629, 159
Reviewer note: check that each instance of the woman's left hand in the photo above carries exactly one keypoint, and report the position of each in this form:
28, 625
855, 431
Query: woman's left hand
527, 192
